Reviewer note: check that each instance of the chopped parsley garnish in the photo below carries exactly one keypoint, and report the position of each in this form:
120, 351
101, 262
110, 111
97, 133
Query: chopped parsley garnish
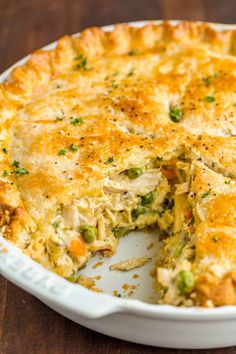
132, 52
207, 81
130, 73
227, 182
209, 99
82, 61
20, 171
59, 119
55, 225
175, 114
82, 64
73, 147
110, 159
76, 121
159, 158
15, 163
215, 239
5, 150
62, 152
5, 173
206, 194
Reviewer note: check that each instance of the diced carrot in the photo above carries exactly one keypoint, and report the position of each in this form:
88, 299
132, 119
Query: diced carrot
188, 215
170, 174
192, 229
78, 248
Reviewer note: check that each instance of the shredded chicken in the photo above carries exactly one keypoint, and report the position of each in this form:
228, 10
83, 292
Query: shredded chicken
130, 264
142, 185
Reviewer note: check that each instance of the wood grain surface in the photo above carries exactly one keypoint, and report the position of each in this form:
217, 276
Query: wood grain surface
26, 325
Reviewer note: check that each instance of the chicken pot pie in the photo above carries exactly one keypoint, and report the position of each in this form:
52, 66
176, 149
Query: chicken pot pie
123, 130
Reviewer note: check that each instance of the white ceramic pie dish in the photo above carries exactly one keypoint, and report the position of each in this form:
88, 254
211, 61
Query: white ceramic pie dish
124, 318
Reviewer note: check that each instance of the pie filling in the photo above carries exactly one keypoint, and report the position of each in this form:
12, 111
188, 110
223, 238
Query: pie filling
126, 130
154, 195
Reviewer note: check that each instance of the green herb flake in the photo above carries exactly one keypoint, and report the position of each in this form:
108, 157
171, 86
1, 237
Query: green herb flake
216, 75
215, 239
227, 182
206, 194
79, 57
132, 52
55, 225
130, 73
59, 119
15, 163
62, 152
20, 171
82, 62
74, 147
209, 99
5, 173
76, 121
207, 81
110, 160
175, 114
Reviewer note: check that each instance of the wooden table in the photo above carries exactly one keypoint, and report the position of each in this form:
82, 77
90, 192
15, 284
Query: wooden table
26, 325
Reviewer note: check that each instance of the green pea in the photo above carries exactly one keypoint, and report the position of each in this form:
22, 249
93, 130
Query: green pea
74, 277
119, 231
89, 233
147, 199
185, 281
175, 114
134, 172
137, 212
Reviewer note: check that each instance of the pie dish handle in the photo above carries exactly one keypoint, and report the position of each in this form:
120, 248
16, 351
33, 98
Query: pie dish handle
52, 289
